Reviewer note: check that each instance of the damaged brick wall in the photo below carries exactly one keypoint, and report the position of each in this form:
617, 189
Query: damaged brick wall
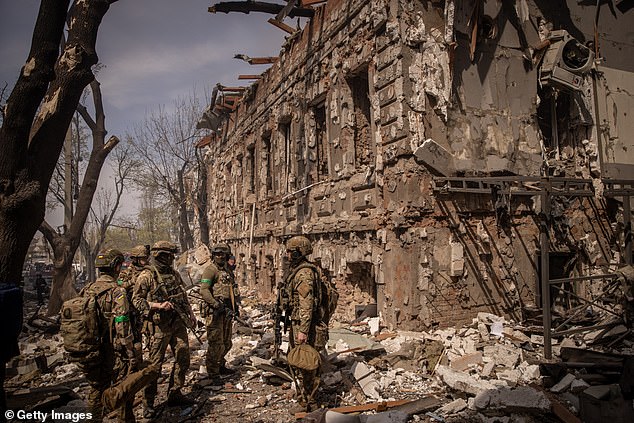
341, 138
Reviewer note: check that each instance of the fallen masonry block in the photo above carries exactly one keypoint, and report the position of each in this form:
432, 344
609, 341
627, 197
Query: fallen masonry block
466, 361
517, 400
363, 374
563, 384
605, 403
462, 381
502, 355
453, 407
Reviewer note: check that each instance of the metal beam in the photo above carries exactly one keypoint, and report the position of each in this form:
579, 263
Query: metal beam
259, 6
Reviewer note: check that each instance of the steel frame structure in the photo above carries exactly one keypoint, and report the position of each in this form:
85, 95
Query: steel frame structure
547, 188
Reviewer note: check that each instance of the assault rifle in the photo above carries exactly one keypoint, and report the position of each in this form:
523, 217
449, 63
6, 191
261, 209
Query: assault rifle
178, 307
230, 313
280, 315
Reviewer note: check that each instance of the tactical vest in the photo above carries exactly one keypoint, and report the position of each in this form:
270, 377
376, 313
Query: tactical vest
165, 287
290, 288
223, 290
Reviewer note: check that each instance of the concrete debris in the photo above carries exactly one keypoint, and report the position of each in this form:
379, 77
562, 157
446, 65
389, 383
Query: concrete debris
517, 400
563, 384
364, 376
502, 355
463, 382
484, 366
453, 407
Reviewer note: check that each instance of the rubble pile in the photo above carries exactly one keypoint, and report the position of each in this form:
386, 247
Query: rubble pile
491, 370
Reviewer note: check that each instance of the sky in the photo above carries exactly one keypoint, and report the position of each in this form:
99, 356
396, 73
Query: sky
154, 51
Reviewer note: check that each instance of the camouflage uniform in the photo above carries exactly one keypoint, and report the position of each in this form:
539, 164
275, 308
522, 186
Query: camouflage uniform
219, 291
303, 292
116, 354
163, 327
126, 280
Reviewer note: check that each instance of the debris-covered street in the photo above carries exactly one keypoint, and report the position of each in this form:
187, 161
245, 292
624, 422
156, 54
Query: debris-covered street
382, 211
491, 370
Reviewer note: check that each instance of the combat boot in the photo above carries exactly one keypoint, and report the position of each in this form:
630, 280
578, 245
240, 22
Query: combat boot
149, 412
226, 371
177, 398
300, 407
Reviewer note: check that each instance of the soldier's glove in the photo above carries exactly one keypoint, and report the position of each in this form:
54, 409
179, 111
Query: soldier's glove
220, 308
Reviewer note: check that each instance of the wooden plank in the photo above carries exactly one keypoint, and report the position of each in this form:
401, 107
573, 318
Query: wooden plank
282, 26
373, 406
236, 89
311, 2
263, 60
249, 76
285, 10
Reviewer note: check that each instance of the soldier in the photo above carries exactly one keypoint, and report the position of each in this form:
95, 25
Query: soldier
303, 290
219, 291
40, 288
127, 278
161, 300
116, 355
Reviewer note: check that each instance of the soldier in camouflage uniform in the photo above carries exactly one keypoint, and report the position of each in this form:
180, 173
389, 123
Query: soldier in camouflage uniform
303, 290
219, 291
159, 295
116, 358
127, 278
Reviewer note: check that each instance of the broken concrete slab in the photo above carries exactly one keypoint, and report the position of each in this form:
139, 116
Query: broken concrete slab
374, 325
466, 361
351, 339
579, 385
453, 407
462, 381
563, 384
605, 403
436, 157
364, 376
512, 400
502, 355
385, 417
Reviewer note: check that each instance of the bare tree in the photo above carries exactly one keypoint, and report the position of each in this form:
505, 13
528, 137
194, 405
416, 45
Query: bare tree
106, 207
65, 244
165, 144
37, 115
200, 197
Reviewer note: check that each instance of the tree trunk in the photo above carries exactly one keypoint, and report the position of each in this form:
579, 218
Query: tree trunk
30, 144
187, 240
201, 200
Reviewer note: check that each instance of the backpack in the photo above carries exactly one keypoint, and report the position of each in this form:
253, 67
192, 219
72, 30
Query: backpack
329, 298
327, 291
84, 326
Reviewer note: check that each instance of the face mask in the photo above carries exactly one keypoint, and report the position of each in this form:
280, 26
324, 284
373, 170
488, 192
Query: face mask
219, 259
164, 260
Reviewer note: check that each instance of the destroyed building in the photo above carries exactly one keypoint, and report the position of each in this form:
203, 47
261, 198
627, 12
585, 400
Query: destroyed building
444, 157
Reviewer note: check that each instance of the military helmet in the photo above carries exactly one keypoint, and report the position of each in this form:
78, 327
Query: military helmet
221, 248
140, 251
109, 258
163, 247
300, 243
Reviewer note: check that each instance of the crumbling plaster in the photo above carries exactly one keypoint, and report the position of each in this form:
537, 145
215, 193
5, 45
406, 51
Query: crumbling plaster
435, 259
